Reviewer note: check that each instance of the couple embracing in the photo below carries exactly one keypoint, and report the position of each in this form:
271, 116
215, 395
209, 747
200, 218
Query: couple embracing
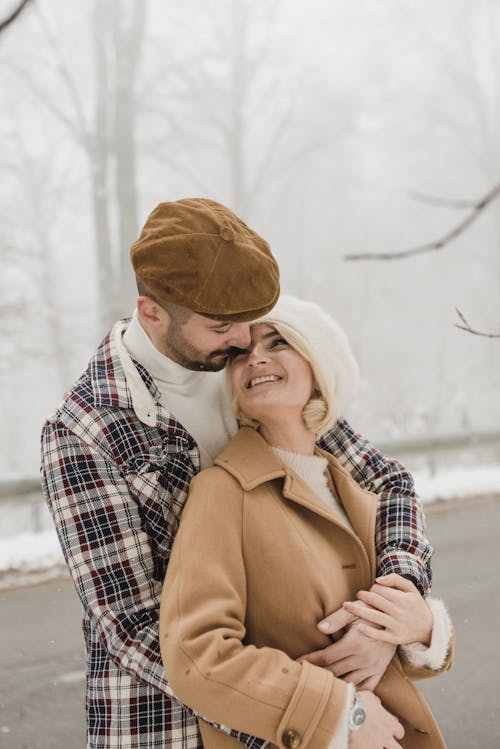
295, 608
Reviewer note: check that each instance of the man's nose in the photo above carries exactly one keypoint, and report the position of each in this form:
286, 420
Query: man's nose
240, 335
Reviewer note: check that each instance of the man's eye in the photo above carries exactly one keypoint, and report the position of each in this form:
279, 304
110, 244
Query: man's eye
223, 330
234, 353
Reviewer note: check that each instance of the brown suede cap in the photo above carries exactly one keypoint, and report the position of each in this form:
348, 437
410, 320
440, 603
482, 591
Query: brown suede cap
198, 254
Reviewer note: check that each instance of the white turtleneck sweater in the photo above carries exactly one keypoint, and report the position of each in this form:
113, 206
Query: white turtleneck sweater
312, 469
198, 400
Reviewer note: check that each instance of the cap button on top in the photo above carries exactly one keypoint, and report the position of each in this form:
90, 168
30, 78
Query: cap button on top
291, 739
226, 232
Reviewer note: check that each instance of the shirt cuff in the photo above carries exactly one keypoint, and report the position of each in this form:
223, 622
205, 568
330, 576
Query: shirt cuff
340, 738
434, 656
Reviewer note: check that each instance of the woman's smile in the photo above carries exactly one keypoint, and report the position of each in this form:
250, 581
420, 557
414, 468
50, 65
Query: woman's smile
262, 380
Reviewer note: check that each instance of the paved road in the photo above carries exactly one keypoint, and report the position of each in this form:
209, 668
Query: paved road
41, 674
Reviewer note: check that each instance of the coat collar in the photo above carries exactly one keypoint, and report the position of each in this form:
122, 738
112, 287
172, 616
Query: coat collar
250, 459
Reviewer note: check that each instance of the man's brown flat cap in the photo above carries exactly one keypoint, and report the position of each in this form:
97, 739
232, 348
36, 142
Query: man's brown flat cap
198, 254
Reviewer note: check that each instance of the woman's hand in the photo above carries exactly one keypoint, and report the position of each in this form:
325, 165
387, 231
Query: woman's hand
393, 611
380, 729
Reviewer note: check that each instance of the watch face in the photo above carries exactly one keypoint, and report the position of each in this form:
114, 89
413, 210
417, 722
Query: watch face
358, 716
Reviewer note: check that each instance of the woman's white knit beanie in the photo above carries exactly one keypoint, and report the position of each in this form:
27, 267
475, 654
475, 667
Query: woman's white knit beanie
326, 342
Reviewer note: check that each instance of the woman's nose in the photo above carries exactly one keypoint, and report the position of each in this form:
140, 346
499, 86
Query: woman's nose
257, 356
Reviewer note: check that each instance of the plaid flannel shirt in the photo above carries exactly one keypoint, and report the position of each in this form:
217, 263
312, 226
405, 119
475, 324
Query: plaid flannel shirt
116, 469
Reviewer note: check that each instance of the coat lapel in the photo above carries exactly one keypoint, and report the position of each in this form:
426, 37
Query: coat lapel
252, 462
359, 504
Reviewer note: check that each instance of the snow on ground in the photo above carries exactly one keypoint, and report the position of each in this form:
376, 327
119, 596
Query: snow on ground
458, 483
30, 557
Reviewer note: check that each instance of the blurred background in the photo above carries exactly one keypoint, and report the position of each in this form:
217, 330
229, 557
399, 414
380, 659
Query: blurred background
333, 128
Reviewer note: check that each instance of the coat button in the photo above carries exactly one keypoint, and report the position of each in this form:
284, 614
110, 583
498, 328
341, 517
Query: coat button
226, 232
291, 739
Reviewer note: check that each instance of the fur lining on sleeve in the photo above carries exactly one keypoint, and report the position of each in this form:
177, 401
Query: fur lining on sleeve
434, 656
340, 739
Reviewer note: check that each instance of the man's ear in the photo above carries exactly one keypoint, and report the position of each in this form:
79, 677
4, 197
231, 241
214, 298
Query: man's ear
149, 310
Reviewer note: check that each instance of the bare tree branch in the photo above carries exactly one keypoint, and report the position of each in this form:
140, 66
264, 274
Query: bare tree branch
43, 97
15, 13
80, 123
438, 201
468, 328
440, 243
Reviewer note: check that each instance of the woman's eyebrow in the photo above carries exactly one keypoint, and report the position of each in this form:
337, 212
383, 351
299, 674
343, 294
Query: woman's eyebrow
271, 334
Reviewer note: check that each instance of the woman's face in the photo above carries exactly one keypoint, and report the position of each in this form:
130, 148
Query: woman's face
270, 379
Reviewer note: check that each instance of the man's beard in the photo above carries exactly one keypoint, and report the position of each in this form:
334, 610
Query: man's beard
213, 362
177, 348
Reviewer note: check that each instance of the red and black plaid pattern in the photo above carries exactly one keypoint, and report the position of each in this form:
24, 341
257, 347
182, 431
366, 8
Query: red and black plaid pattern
400, 530
116, 488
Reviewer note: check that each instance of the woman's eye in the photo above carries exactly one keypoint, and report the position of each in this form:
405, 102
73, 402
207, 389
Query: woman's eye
279, 342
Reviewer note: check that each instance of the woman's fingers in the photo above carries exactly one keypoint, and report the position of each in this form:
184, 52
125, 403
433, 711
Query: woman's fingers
369, 614
377, 601
396, 581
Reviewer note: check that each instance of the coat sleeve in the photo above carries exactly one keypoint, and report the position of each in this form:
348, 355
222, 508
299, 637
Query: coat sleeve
401, 539
420, 661
108, 552
417, 672
258, 690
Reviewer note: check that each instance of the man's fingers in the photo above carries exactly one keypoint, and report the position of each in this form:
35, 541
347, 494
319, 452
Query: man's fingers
378, 634
329, 655
344, 666
369, 683
394, 745
336, 621
318, 658
399, 732
360, 677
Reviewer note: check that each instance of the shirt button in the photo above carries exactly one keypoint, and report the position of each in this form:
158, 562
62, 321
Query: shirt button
291, 739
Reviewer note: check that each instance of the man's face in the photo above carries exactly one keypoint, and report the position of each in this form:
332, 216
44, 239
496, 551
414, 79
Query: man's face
200, 343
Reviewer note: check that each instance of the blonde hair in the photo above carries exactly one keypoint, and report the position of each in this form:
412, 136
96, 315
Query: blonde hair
320, 412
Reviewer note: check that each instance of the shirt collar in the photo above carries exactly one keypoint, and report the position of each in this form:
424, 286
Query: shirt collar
120, 381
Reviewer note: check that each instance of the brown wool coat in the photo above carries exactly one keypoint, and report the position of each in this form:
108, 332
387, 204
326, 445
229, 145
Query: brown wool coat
258, 560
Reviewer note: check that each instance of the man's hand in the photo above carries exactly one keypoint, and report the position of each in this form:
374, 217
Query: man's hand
380, 729
355, 657
393, 611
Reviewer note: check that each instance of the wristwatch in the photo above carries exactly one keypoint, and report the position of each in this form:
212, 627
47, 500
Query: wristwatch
358, 713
